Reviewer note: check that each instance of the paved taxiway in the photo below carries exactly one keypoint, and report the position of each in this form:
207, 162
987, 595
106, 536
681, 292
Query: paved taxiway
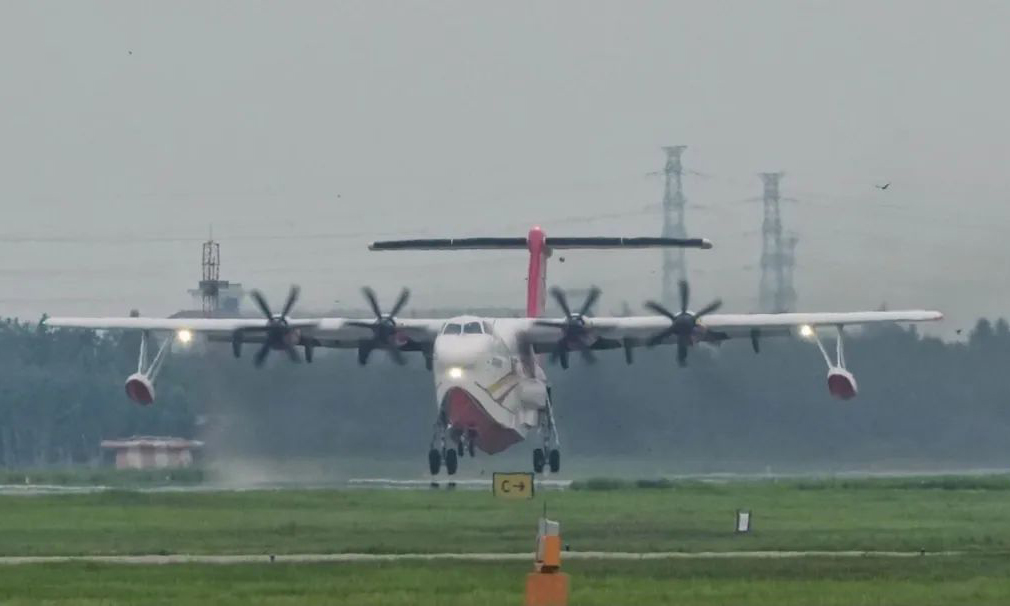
260, 558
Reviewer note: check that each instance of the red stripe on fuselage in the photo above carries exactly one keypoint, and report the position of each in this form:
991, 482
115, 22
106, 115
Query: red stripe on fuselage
464, 412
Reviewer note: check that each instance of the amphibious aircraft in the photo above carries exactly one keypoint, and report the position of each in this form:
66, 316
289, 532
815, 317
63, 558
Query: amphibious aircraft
491, 387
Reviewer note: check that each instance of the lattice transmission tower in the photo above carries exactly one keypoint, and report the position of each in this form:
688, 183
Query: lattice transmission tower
674, 264
778, 253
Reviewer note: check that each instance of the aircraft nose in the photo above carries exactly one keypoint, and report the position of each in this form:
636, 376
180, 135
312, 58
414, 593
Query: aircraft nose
460, 350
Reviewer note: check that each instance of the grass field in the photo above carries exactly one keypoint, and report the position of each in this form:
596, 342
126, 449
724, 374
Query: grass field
934, 514
928, 581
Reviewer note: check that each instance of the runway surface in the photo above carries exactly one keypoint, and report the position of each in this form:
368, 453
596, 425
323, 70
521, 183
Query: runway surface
354, 483
260, 558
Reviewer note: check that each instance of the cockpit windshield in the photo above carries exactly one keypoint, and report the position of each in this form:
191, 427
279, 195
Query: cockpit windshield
472, 328
452, 329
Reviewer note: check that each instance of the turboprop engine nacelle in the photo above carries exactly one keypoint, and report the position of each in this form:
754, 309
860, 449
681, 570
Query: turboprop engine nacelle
140, 389
842, 384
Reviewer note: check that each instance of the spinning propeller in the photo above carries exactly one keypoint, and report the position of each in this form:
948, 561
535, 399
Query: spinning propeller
383, 328
279, 333
682, 325
573, 327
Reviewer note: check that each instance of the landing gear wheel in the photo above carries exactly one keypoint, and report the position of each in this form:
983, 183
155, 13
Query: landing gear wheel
538, 460
451, 461
434, 461
554, 460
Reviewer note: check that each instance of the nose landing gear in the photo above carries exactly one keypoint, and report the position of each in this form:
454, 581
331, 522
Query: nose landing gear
440, 453
451, 462
434, 461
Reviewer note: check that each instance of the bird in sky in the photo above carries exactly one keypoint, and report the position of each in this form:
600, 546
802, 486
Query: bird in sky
884, 186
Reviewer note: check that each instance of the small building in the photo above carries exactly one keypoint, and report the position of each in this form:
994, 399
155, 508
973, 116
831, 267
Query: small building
151, 452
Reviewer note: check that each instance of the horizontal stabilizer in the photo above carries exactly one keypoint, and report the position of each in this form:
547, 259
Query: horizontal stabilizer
450, 244
550, 243
641, 242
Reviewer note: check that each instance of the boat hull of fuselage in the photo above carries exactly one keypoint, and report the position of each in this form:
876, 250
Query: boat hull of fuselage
465, 414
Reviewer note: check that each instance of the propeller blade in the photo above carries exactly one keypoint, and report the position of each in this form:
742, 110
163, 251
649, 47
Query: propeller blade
628, 358
714, 305
587, 355
685, 296
236, 343
261, 302
290, 303
594, 294
293, 353
400, 302
261, 355
658, 338
755, 342
372, 301
559, 296
659, 309
563, 356
682, 352
364, 350
309, 348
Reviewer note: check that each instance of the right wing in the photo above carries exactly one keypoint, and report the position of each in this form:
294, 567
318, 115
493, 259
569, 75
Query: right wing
325, 332
202, 325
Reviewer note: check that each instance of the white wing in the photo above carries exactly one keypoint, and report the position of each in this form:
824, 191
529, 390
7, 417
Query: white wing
612, 331
332, 332
735, 325
204, 325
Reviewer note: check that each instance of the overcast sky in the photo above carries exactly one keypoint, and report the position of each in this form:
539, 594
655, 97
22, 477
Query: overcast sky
303, 130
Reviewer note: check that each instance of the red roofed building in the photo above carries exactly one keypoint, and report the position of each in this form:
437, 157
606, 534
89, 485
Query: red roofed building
150, 452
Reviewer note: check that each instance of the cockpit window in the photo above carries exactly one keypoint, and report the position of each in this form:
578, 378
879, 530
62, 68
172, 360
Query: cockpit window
487, 328
451, 329
472, 328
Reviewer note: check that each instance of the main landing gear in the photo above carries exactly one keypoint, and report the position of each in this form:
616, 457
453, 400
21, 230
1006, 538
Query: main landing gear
549, 456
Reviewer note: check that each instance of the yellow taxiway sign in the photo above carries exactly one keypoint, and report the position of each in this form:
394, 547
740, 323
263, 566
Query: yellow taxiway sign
518, 485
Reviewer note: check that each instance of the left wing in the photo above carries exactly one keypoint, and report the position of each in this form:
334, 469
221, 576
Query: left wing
613, 332
726, 326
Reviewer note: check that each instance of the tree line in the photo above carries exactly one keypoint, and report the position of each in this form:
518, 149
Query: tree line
921, 400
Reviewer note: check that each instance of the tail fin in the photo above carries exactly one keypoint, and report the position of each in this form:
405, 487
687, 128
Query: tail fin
536, 275
540, 247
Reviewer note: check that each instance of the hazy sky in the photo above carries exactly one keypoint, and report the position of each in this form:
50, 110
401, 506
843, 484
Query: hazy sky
302, 130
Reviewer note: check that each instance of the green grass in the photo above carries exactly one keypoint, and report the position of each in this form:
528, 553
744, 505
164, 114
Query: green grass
929, 581
103, 476
935, 515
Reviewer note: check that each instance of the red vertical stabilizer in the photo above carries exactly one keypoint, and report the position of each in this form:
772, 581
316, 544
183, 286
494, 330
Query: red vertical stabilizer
536, 277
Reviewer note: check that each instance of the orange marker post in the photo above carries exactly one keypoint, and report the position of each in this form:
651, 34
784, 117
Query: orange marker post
547, 585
